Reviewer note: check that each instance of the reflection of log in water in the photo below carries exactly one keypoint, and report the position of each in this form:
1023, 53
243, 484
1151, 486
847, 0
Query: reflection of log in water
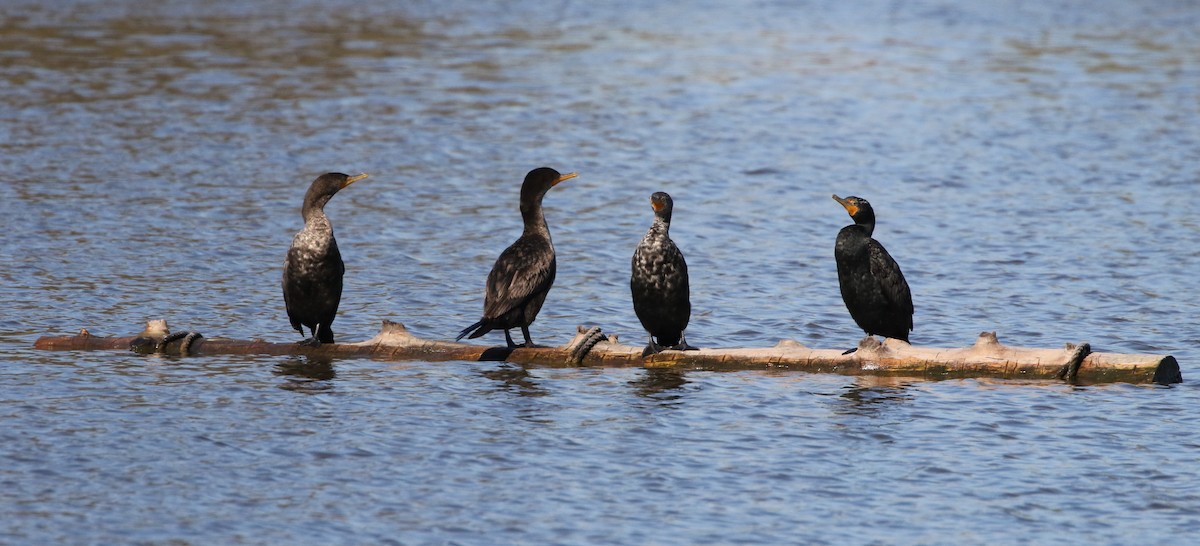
315, 368
516, 379
986, 358
870, 395
308, 374
658, 382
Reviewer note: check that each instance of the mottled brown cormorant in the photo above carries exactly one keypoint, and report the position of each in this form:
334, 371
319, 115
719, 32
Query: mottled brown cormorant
522, 276
873, 286
660, 282
312, 272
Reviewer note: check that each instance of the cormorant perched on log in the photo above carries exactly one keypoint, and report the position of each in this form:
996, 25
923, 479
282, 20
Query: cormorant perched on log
313, 269
660, 282
873, 286
522, 276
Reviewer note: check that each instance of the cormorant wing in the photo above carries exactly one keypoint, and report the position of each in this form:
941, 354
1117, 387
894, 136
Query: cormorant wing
524, 269
289, 286
891, 280
299, 283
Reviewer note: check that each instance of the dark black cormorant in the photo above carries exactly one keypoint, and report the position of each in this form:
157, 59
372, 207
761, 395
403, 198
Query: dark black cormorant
873, 286
524, 272
312, 272
660, 282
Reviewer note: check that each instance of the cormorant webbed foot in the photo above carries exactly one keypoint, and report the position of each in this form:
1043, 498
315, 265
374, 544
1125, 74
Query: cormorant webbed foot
683, 345
652, 348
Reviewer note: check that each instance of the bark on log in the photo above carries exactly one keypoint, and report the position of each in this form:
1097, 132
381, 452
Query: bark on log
986, 358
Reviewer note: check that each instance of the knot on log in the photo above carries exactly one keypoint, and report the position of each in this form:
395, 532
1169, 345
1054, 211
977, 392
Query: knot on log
156, 328
585, 339
987, 339
1070, 370
394, 333
789, 344
157, 336
149, 341
869, 345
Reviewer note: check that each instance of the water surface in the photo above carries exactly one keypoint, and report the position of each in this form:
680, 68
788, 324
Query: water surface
1033, 168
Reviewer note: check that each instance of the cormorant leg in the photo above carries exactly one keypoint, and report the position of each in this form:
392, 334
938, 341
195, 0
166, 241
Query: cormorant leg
652, 348
528, 342
683, 344
508, 338
326, 334
312, 341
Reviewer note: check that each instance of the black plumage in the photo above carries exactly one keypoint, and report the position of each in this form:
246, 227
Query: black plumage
659, 282
524, 272
313, 269
872, 284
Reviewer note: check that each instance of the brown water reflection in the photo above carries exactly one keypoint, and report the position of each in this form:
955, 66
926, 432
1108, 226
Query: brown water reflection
105, 59
1057, 56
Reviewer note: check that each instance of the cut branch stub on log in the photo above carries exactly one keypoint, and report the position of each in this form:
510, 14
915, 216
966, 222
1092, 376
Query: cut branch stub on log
986, 358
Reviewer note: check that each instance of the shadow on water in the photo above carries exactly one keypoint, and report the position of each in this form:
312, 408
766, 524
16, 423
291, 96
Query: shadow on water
664, 385
870, 396
515, 379
307, 374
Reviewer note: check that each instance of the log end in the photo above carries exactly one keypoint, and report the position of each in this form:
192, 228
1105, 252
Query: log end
1167, 372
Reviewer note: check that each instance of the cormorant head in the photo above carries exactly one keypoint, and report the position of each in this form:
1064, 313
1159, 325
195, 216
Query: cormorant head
538, 182
662, 204
323, 188
859, 209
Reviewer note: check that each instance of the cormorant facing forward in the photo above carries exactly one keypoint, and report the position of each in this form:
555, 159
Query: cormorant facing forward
660, 282
522, 276
873, 286
313, 269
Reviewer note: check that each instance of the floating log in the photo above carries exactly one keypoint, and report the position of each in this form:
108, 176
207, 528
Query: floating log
986, 358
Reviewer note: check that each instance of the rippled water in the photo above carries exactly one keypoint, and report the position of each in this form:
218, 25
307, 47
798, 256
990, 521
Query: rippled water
1033, 167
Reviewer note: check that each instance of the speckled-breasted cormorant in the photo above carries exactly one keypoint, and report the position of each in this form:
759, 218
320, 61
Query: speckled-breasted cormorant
313, 269
524, 272
873, 286
659, 282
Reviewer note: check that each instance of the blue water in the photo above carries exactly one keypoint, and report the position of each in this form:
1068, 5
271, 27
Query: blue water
1033, 167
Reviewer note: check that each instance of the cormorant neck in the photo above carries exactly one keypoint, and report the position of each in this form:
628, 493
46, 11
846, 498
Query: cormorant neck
535, 220
867, 221
662, 222
314, 205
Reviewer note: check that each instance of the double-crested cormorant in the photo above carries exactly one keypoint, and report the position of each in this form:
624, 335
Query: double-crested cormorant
873, 286
660, 282
524, 272
312, 272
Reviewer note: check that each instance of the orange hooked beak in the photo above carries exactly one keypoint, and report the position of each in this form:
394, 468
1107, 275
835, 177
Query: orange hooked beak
353, 179
563, 177
850, 206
